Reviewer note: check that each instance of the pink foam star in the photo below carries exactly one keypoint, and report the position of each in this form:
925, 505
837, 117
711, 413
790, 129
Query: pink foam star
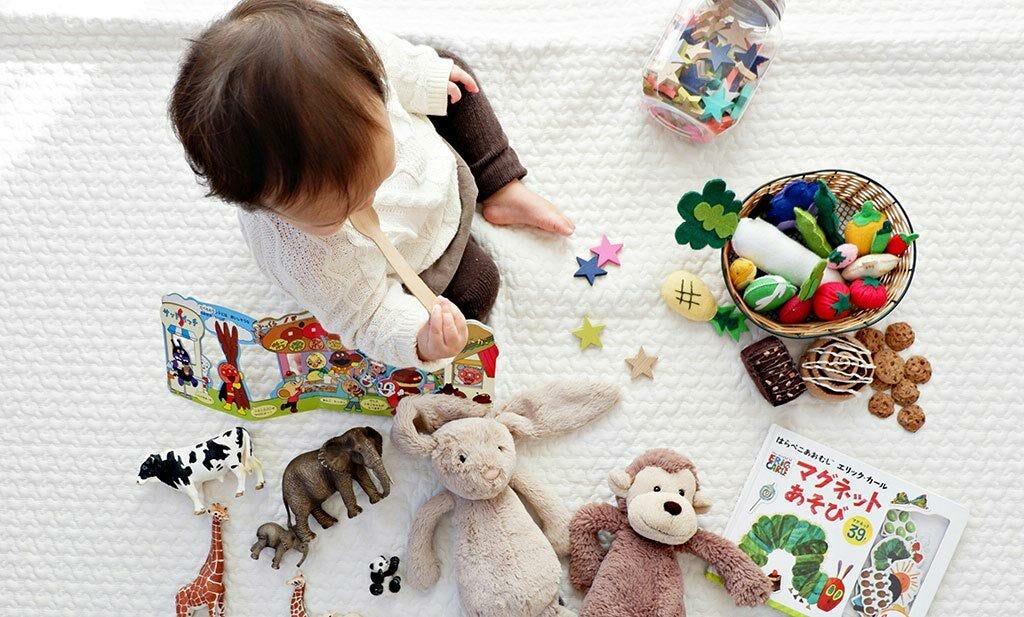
606, 252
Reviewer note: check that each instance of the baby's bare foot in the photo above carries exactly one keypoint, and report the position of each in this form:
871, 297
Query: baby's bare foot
515, 204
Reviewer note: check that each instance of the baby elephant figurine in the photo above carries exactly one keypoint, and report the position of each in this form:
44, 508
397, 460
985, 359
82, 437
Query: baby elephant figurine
506, 564
312, 477
272, 535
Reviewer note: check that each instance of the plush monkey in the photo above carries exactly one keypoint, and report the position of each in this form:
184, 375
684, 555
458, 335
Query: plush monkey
658, 498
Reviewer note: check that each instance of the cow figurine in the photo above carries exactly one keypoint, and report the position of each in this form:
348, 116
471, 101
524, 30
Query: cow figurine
187, 469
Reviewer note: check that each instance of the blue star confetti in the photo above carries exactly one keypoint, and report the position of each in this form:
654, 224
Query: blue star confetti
692, 81
750, 59
719, 55
589, 269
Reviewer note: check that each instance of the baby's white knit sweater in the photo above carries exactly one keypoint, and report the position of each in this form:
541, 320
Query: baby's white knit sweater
344, 279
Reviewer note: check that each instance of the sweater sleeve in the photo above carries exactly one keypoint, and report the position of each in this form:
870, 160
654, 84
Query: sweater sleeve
415, 73
345, 287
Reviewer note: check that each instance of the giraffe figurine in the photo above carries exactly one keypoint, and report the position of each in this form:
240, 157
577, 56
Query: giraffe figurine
207, 590
298, 606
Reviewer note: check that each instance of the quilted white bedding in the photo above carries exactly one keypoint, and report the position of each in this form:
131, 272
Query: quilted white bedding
100, 216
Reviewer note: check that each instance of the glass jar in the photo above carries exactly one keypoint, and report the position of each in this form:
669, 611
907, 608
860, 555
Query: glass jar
704, 71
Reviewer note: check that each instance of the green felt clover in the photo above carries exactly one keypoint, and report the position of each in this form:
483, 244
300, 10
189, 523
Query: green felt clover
729, 320
709, 217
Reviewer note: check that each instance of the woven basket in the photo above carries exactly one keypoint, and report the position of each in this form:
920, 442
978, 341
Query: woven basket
853, 190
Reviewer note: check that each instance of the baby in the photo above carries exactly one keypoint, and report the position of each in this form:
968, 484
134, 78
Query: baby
287, 109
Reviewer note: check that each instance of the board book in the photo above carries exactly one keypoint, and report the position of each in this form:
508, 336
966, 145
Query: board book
839, 537
277, 366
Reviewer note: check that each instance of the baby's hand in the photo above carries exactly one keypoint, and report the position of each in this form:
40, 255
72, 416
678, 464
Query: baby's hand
445, 333
457, 77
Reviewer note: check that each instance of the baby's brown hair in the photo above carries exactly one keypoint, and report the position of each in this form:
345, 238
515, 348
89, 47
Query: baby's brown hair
273, 102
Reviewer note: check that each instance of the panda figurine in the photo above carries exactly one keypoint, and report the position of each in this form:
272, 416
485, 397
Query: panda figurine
380, 570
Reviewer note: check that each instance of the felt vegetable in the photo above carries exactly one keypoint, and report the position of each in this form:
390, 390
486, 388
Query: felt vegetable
709, 217
768, 292
796, 194
741, 272
775, 252
882, 237
814, 237
842, 256
828, 218
898, 245
868, 293
875, 266
832, 301
794, 311
687, 295
861, 229
811, 284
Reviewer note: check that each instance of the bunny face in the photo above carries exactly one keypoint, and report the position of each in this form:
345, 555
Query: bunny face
474, 457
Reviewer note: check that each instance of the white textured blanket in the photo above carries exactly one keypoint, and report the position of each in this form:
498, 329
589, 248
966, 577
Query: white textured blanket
100, 216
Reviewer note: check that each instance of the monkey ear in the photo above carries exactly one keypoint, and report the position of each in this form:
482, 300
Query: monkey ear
619, 481
701, 503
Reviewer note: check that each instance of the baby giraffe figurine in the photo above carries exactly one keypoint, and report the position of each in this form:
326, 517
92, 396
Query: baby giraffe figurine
658, 499
505, 565
297, 608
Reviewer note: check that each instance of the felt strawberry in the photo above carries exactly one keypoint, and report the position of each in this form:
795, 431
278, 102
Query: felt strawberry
794, 310
868, 293
832, 301
900, 243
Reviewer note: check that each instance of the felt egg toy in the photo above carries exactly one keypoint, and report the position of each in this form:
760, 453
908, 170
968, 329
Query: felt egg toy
742, 272
832, 301
794, 311
875, 266
898, 245
687, 295
842, 256
813, 236
768, 292
861, 229
868, 293
797, 194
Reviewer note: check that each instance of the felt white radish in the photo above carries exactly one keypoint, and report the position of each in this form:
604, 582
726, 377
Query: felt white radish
776, 253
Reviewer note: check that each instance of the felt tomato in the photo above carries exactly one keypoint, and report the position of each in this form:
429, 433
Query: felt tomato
832, 301
868, 293
900, 243
794, 310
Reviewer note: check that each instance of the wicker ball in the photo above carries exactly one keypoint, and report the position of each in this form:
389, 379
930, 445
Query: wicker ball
852, 190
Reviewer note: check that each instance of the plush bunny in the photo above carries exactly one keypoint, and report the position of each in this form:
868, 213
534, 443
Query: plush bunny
506, 566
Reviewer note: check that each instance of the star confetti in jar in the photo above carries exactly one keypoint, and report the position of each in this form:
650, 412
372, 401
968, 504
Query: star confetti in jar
704, 71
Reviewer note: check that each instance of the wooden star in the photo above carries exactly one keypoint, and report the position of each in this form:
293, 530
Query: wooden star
669, 71
641, 365
695, 51
735, 34
589, 334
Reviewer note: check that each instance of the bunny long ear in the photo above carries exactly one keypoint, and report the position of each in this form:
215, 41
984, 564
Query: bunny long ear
419, 416
558, 408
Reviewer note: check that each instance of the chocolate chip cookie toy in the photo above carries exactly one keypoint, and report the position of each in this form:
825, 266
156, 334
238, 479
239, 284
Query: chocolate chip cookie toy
888, 366
871, 338
911, 418
899, 336
918, 369
881, 405
905, 392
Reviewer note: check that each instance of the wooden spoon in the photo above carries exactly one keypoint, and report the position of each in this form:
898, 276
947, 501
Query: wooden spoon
367, 223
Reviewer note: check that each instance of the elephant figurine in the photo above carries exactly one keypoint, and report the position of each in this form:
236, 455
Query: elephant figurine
312, 477
272, 535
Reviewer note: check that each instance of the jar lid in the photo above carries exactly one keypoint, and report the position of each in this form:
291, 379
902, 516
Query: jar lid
759, 12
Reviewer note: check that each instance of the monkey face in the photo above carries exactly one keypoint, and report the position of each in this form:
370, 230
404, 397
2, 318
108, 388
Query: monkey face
660, 505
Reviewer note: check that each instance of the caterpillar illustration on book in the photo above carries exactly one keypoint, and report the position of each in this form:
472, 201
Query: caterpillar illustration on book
293, 364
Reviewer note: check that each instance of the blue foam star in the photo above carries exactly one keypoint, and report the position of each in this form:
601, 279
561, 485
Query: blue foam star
589, 269
688, 35
692, 81
750, 59
719, 55
716, 104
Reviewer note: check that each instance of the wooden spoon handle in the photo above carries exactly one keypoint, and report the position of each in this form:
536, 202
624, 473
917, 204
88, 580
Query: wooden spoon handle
367, 223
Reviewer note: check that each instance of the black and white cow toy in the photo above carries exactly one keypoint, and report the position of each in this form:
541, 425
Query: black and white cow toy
186, 469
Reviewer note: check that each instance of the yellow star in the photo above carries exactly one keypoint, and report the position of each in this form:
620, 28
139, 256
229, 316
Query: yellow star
589, 334
641, 364
695, 52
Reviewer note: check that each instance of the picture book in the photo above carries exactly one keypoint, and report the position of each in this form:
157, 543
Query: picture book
839, 537
277, 366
